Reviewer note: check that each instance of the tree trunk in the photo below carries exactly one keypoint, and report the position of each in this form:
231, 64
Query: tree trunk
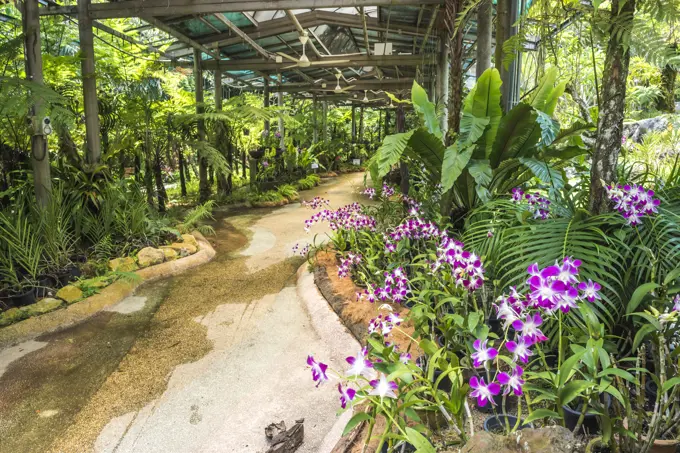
230, 160
666, 103
453, 8
40, 157
610, 123
182, 171
161, 194
148, 181
483, 37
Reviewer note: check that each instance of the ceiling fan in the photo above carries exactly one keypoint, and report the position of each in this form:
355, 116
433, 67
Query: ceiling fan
338, 89
304, 61
365, 100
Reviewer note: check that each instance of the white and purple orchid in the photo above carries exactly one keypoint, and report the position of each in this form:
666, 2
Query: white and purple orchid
383, 388
482, 353
483, 392
347, 394
513, 382
318, 370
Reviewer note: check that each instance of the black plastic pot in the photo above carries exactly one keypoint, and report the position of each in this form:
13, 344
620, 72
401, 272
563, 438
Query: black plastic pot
445, 384
46, 283
279, 152
591, 424
256, 153
79, 258
21, 300
496, 423
68, 275
495, 325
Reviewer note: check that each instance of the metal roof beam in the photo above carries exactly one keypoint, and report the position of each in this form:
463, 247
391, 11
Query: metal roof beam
180, 36
259, 49
307, 21
364, 85
141, 8
352, 61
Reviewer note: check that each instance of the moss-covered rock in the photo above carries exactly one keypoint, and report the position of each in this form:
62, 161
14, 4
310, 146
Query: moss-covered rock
183, 248
11, 316
149, 256
96, 283
70, 294
125, 264
189, 239
170, 253
43, 306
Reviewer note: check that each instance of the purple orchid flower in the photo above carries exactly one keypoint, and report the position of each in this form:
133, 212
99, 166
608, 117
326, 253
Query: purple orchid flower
404, 357
394, 319
529, 327
512, 382
567, 300
483, 392
346, 395
383, 388
521, 348
483, 353
360, 365
318, 370
590, 290
676, 303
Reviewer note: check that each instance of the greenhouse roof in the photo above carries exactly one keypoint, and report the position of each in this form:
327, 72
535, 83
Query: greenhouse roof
251, 42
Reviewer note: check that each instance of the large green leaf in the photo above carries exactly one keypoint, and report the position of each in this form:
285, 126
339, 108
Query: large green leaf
428, 149
551, 101
544, 89
572, 390
354, 421
427, 109
455, 161
639, 293
518, 132
544, 172
542, 413
390, 151
419, 441
484, 101
472, 127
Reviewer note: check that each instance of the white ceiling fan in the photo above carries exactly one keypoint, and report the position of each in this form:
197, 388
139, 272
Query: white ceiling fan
304, 61
338, 89
365, 100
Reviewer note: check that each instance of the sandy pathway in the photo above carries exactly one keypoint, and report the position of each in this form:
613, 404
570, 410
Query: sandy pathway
219, 354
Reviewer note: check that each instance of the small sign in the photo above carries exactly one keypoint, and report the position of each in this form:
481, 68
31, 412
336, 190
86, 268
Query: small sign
315, 166
129, 171
356, 162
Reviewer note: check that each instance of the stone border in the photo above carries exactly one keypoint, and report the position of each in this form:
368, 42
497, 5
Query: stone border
331, 329
108, 296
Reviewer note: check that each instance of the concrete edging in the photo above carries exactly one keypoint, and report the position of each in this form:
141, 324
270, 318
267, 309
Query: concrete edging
329, 327
110, 295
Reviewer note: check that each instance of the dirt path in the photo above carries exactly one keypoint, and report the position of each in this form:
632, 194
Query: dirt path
200, 362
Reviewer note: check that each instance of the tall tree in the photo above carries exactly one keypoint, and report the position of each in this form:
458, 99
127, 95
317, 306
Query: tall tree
40, 158
484, 43
613, 101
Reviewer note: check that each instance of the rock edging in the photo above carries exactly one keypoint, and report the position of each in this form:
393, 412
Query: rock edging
110, 295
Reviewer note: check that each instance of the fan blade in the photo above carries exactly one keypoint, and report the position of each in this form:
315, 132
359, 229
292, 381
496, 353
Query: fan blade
290, 67
288, 57
329, 62
347, 88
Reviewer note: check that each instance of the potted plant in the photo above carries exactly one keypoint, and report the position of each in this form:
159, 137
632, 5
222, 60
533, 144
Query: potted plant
649, 422
503, 423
